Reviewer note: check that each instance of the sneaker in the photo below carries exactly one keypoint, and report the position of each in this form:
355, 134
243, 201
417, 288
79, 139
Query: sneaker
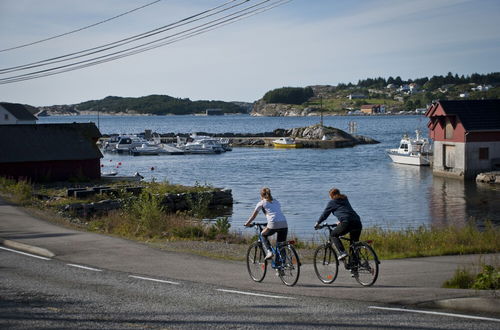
269, 255
342, 255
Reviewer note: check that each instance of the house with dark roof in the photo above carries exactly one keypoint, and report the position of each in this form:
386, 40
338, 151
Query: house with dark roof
50, 152
15, 113
466, 135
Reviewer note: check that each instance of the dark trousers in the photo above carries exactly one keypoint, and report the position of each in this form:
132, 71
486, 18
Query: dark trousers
281, 237
342, 229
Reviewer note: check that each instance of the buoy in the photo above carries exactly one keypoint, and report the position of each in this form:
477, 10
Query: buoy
120, 163
152, 168
102, 165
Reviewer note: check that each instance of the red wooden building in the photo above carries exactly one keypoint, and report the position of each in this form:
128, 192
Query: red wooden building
466, 136
50, 152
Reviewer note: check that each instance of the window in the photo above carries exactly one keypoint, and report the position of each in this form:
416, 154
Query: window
6, 116
484, 154
448, 129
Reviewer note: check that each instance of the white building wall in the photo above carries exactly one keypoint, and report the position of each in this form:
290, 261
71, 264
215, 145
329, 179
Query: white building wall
439, 158
466, 158
6, 118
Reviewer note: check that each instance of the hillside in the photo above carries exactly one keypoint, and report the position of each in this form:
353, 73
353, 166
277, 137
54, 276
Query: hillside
396, 95
148, 105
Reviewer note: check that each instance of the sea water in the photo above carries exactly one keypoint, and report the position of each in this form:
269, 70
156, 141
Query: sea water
384, 194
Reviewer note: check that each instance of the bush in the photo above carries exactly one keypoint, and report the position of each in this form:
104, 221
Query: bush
487, 279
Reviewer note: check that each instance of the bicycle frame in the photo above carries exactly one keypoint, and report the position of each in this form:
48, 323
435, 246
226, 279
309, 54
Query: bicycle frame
352, 258
279, 260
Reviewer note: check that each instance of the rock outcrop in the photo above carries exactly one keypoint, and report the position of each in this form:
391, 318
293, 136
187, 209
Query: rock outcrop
261, 108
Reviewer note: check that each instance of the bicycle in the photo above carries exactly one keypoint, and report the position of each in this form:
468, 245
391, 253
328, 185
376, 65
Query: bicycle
286, 260
362, 260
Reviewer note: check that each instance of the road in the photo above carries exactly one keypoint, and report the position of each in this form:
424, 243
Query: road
106, 282
49, 293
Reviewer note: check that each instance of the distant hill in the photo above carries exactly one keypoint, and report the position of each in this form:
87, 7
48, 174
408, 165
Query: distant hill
395, 94
149, 105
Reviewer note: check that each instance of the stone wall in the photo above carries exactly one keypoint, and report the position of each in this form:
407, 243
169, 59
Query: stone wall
215, 200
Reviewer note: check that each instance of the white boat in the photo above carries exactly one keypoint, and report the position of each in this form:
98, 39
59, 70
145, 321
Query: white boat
203, 146
146, 150
125, 144
286, 142
113, 176
415, 151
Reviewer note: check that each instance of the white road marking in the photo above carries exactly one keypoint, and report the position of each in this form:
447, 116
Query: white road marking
255, 294
154, 280
24, 253
436, 313
85, 267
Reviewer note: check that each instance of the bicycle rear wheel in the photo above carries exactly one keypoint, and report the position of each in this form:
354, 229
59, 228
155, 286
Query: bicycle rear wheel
256, 263
326, 264
290, 271
367, 270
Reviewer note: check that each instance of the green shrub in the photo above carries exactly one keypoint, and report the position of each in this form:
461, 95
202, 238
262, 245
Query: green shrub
222, 225
198, 204
487, 279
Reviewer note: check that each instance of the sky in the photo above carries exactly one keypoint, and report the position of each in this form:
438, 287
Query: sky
300, 43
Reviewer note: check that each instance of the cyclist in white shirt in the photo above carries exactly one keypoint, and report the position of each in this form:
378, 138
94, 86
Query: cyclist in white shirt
276, 221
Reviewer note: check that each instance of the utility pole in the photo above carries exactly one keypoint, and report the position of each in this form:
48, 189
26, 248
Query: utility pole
321, 110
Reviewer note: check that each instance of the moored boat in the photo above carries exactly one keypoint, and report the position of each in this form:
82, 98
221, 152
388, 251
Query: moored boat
417, 151
286, 142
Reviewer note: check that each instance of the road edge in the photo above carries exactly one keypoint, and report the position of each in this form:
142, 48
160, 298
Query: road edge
469, 304
27, 248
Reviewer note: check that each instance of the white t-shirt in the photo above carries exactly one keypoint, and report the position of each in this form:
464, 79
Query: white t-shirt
275, 218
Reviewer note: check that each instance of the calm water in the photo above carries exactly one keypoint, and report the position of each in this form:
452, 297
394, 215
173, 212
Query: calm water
386, 195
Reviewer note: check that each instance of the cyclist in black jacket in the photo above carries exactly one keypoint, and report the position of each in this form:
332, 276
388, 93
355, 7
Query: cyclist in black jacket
348, 220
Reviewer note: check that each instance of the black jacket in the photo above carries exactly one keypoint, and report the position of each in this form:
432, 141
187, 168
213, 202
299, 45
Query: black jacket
342, 209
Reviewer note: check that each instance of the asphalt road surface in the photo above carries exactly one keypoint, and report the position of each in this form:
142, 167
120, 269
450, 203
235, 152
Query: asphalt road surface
40, 292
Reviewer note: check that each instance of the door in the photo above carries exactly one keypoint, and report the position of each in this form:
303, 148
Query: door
449, 157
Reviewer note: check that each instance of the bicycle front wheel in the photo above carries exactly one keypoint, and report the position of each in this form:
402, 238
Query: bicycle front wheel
290, 270
256, 263
326, 264
367, 270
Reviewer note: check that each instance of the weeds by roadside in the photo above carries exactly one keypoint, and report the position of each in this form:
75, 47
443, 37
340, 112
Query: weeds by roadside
144, 218
485, 277
434, 241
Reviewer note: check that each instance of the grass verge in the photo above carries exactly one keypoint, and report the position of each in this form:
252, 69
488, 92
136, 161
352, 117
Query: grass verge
143, 219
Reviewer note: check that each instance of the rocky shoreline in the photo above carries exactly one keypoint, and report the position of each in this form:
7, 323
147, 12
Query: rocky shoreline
315, 136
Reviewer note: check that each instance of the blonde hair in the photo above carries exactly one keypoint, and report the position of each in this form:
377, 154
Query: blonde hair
335, 194
265, 193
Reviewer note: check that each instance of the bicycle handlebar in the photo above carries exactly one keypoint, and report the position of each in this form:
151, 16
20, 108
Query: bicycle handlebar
258, 224
325, 225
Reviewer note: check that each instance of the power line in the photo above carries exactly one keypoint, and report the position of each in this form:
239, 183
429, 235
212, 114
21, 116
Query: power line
79, 29
188, 33
108, 46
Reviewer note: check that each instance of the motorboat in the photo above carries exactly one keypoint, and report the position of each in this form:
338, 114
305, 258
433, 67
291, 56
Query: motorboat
286, 142
146, 150
412, 151
203, 146
125, 144
113, 176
